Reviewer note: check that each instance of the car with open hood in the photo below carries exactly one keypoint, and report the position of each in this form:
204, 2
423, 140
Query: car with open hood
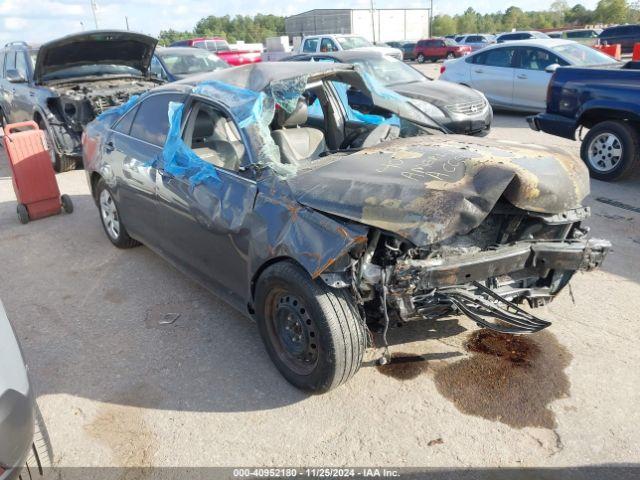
456, 108
64, 84
320, 229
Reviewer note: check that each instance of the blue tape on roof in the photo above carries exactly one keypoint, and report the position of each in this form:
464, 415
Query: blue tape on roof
179, 160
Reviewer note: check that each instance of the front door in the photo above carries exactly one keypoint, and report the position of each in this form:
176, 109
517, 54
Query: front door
206, 221
531, 78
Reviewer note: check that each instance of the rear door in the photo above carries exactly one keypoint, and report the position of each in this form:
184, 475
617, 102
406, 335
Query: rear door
134, 148
493, 74
531, 78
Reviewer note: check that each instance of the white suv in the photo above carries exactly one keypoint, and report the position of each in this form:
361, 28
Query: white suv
336, 43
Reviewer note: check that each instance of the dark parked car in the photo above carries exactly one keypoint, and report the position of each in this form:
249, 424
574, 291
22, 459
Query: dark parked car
606, 100
24, 444
319, 229
457, 108
625, 35
527, 35
406, 47
434, 49
66, 83
174, 63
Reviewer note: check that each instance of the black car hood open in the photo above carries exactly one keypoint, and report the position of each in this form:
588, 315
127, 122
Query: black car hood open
427, 189
99, 47
438, 92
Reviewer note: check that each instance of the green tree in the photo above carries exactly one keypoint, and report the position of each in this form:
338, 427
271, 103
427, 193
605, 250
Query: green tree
579, 15
513, 18
612, 11
468, 22
444, 25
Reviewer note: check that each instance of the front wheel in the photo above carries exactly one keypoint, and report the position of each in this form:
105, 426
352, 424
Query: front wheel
111, 221
312, 332
420, 58
610, 150
450, 56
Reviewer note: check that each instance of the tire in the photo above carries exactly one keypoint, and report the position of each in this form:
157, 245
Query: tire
61, 163
39, 462
67, 204
312, 332
450, 56
23, 213
420, 58
110, 218
610, 150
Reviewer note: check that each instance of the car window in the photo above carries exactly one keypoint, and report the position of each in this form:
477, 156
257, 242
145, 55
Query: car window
537, 59
123, 125
498, 57
151, 123
327, 45
214, 137
310, 45
11, 61
578, 54
475, 39
323, 59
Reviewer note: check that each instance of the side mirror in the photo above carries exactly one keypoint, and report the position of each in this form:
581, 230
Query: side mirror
14, 76
552, 68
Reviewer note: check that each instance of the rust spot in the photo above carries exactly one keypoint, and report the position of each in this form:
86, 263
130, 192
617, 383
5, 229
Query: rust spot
508, 379
342, 231
293, 210
437, 441
319, 271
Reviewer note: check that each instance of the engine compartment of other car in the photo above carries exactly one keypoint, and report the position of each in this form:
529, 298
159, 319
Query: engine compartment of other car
80, 102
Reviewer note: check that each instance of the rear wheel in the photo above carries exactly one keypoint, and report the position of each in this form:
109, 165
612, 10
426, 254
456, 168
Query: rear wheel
450, 56
420, 58
313, 333
610, 150
111, 221
67, 204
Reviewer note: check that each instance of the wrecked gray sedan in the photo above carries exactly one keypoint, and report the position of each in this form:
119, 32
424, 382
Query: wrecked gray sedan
261, 183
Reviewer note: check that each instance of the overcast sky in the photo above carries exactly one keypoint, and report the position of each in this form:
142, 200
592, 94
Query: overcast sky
42, 20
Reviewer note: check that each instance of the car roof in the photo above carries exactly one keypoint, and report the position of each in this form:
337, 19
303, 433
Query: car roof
536, 42
258, 76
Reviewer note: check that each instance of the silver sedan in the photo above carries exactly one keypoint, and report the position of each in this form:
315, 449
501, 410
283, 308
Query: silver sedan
515, 75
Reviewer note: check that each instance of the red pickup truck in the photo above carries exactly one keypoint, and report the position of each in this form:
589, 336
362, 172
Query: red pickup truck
439, 48
221, 48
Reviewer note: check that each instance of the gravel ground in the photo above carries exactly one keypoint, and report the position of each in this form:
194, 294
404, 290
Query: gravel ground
118, 389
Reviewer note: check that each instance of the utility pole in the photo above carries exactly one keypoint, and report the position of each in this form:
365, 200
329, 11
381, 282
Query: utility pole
431, 19
373, 22
94, 9
126, 20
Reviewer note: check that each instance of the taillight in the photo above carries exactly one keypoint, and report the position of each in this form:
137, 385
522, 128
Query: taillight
442, 69
550, 88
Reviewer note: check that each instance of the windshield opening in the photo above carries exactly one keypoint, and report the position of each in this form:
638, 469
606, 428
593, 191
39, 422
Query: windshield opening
582, 55
196, 61
347, 43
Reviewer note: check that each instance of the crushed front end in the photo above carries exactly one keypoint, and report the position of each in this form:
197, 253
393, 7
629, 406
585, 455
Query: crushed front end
512, 257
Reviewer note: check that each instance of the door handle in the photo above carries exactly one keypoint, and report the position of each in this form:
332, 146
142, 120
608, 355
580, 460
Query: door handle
109, 146
522, 76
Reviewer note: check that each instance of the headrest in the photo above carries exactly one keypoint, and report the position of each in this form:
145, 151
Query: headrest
298, 117
203, 126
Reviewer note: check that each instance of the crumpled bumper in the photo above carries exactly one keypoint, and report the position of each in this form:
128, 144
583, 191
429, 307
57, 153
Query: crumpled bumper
538, 257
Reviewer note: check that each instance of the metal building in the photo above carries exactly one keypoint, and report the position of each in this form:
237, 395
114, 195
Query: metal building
378, 25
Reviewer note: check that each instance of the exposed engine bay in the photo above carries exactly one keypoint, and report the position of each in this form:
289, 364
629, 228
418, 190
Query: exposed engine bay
512, 257
80, 102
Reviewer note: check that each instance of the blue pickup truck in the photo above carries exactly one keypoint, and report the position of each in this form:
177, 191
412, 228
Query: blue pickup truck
604, 100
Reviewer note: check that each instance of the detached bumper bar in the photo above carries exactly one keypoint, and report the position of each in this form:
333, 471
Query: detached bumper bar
538, 257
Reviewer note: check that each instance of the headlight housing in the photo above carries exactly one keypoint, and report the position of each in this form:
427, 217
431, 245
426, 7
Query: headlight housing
428, 109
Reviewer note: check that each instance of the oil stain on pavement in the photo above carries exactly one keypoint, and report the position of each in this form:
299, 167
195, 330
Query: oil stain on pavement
506, 378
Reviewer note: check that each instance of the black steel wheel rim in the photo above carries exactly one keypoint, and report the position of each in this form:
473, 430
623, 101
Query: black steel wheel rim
292, 331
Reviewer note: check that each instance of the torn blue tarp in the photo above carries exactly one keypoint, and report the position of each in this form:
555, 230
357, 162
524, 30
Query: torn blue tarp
179, 160
354, 115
